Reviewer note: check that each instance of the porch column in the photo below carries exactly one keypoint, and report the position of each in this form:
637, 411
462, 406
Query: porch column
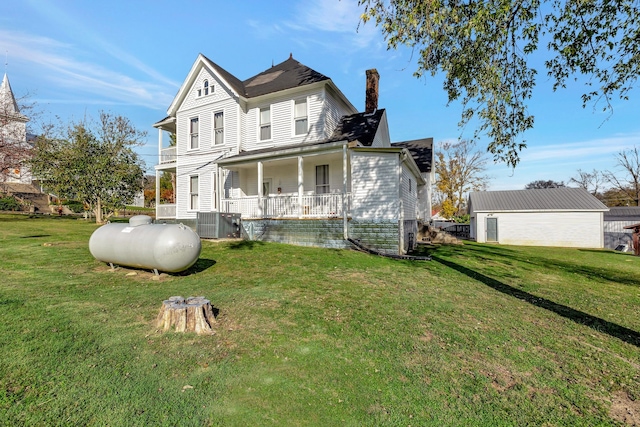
300, 185
157, 191
345, 222
260, 179
159, 145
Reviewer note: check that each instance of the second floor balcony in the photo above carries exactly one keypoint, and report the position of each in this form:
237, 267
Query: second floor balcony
168, 155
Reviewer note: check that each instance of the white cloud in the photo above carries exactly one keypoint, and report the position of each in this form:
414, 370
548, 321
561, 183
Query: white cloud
58, 62
581, 149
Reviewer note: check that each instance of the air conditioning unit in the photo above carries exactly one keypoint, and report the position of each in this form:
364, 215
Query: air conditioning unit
218, 225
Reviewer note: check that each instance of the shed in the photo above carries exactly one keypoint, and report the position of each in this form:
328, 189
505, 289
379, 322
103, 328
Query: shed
568, 217
615, 221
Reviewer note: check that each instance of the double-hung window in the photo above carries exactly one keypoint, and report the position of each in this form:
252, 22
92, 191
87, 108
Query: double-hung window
265, 123
193, 133
218, 128
322, 179
193, 192
205, 87
300, 119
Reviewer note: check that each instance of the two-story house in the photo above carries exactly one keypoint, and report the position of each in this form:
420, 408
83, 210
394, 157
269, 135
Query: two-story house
290, 153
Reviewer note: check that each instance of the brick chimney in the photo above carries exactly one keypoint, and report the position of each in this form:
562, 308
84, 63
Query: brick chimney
371, 99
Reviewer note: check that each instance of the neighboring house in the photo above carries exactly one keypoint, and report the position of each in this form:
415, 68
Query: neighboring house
290, 153
569, 217
13, 129
614, 222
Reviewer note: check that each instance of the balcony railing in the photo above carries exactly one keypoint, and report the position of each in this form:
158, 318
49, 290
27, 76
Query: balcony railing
287, 206
168, 155
165, 211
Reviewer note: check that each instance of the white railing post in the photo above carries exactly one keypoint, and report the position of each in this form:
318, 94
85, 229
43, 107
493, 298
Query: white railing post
300, 185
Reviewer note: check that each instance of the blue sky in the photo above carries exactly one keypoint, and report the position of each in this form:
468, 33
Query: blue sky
75, 58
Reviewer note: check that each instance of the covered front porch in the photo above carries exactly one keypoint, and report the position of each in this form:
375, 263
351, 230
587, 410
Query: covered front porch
311, 183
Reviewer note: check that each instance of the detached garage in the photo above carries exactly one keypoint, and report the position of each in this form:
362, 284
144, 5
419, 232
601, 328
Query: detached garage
568, 217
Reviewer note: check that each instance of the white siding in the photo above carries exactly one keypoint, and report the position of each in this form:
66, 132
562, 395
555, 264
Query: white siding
284, 174
282, 121
565, 229
382, 138
375, 192
408, 193
333, 109
220, 92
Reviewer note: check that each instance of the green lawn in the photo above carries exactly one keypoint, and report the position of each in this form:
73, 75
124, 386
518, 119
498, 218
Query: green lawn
483, 335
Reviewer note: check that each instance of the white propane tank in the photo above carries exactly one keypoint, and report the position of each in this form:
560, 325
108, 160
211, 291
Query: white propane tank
142, 244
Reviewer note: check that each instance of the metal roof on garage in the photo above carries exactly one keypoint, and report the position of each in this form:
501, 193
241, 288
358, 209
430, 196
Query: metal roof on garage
548, 199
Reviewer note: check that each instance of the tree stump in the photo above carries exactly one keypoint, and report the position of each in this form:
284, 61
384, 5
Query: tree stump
193, 314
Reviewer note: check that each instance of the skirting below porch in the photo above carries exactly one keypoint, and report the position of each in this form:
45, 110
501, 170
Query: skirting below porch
382, 235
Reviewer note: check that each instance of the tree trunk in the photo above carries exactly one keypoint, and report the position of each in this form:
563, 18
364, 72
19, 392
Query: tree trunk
193, 314
98, 211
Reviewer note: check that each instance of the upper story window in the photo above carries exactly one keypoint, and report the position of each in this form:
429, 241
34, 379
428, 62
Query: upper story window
218, 128
265, 123
193, 133
300, 117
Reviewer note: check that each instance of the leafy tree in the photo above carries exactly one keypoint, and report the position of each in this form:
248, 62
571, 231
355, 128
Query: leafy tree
536, 185
614, 197
459, 169
484, 48
94, 164
590, 181
626, 181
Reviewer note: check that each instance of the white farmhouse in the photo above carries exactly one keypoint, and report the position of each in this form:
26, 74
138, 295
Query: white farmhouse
290, 153
568, 217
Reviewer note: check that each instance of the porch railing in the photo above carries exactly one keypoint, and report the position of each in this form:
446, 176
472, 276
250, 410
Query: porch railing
287, 206
168, 155
165, 211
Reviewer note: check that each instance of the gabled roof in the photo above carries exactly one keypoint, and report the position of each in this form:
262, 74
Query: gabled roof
623, 213
288, 74
421, 150
548, 199
360, 126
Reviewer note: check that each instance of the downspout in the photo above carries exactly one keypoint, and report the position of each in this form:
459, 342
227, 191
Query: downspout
157, 171
345, 221
401, 204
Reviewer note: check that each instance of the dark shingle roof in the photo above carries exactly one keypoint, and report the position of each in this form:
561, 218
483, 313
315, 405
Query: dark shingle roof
623, 213
359, 126
286, 75
421, 150
548, 199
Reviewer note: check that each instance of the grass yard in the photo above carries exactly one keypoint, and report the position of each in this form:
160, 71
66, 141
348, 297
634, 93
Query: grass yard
483, 335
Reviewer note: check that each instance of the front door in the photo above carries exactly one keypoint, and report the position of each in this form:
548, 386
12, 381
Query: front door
492, 229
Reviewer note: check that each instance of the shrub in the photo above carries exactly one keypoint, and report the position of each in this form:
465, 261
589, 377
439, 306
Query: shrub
9, 203
74, 206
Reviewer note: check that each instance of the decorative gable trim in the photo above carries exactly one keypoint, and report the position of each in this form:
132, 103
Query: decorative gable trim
200, 63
